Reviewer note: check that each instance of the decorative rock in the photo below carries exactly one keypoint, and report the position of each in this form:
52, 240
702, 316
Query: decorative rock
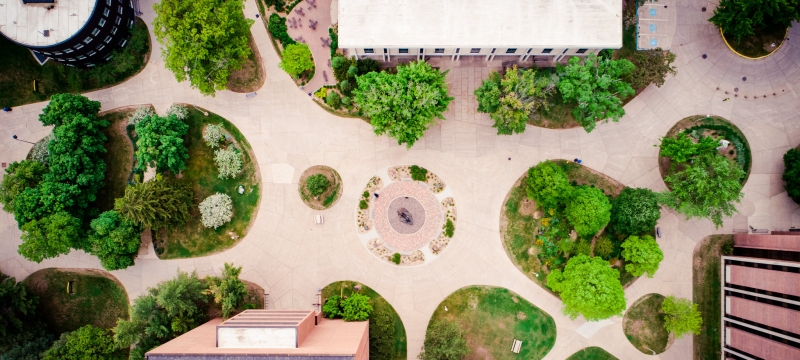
240, 190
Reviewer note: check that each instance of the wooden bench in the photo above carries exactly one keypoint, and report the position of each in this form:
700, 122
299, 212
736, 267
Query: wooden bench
516, 346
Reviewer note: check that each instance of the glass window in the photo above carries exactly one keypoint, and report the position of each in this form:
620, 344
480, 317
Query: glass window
118, 20
108, 57
62, 60
91, 53
130, 24
114, 30
106, 11
89, 65
511, 51
46, 53
57, 53
385, 51
546, 51
581, 51
404, 51
101, 47
79, 46
95, 32
108, 2
87, 40
438, 51
81, 57
107, 40
475, 51
369, 51
67, 51
120, 9
123, 42
70, 59
457, 50
101, 23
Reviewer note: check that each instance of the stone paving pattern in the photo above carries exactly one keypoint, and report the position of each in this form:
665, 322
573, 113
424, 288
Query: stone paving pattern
291, 257
382, 216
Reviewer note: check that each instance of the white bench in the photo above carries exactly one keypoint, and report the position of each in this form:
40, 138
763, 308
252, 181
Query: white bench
318, 219
516, 346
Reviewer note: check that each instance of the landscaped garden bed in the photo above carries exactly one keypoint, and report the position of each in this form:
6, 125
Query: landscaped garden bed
387, 336
251, 76
491, 318
592, 353
644, 325
754, 28
706, 289
193, 238
320, 187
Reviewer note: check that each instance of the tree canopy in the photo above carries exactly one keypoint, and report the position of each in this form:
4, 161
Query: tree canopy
88, 342
682, 148
791, 174
548, 185
228, 291
444, 340
635, 211
203, 40
357, 307
681, 316
114, 240
160, 143
642, 255
19, 176
296, 59
50, 236
597, 86
15, 305
588, 287
405, 104
588, 211
510, 101
156, 203
317, 184
741, 18
650, 66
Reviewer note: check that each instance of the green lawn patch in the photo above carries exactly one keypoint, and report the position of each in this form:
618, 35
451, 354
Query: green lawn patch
99, 299
493, 317
592, 353
118, 158
193, 239
644, 325
383, 338
20, 69
706, 288
251, 76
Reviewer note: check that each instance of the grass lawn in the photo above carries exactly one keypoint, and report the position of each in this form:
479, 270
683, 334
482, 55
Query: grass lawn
379, 304
118, 158
99, 298
493, 317
20, 69
706, 287
592, 353
644, 325
193, 239
251, 76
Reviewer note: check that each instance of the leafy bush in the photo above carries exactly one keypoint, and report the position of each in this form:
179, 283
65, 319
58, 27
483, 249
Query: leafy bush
296, 59
396, 258
635, 211
588, 287
681, 316
449, 228
566, 246
589, 211
366, 66
19, 325
547, 184
741, 18
322, 93
331, 308
642, 255
333, 99
603, 247
510, 101
40, 150
139, 114
363, 204
728, 247
357, 307
180, 111
317, 184
277, 28
419, 173
20, 175
334, 41
346, 100
160, 143
229, 162
583, 247
50, 236
228, 291
114, 240
381, 331
213, 134
444, 340
216, 210
682, 148
340, 65
87, 342
365, 195
650, 66
791, 174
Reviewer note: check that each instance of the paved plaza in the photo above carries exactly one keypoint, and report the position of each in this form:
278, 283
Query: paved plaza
291, 257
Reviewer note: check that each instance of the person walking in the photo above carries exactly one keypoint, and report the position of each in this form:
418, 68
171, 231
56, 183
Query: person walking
7, 109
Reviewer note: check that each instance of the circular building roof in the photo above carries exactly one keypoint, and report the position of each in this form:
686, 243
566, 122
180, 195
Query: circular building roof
43, 22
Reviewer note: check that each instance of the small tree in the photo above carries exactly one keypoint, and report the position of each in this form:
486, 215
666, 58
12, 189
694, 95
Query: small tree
333, 99
588, 287
603, 247
444, 340
20, 175
213, 134
589, 211
449, 228
180, 111
17, 305
682, 148
228, 291
87, 342
114, 240
635, 211
357, 307
681, 316
317, 184
642, 254
229, 162
296, 59
547, 184
511, 100
331, 309
50, 236
396, 257
650, 66
160, 143
740, 18
141, 113
596, 86
155, 204
791, 174
216, 210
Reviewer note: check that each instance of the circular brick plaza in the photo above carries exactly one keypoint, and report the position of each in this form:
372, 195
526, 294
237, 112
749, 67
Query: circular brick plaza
421, 209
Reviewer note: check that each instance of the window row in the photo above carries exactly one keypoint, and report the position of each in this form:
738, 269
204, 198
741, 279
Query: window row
471, 51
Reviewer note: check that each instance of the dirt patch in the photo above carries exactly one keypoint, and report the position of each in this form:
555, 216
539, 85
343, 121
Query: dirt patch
528, 207
251, 76
330, 197
643, 325
763, 43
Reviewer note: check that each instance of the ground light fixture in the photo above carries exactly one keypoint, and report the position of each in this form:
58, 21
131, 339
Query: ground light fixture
18, 139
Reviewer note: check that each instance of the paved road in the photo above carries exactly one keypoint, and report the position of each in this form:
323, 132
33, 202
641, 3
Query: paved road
291, 258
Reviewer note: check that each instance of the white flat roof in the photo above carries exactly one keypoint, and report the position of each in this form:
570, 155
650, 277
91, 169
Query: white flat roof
25, 23
476, 23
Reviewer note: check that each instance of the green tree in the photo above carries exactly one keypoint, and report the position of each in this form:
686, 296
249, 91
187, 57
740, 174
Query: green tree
588, 287
650, 66
635, 211
87, 342
357, 307
547, 184
16, 305
589, 211
63, 106
203, 40
114, 240
741, 18
333, 99
489, 93
296, 59
707, 188
317, 184
332, 309
596, 86
19, 176
444, 340
519, 94
404, 104
791, 174
642, 255
228, 291
155, 204
160, 143
277, 28
681, 316
381, 332
683, 148
418, 173
603, 247
50, 236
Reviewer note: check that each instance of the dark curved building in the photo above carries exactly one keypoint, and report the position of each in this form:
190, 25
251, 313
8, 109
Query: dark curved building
79, 33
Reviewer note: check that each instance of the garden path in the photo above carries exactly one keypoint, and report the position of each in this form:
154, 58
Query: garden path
291, 257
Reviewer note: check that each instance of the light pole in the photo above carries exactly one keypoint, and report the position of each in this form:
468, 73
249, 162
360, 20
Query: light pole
18, 139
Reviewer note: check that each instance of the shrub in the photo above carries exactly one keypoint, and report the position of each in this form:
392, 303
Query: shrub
449, 228
155, 204
333, 100
589, 211
588, 287
366, 66
340, 65
419, 173
365, 195
88, 342
363, 205
347, 86
650, 66
228, 290
317, 184
791, 174
277, 28
216, 210
334, 40
114, 240
179, 111
296, 59
566, 246
396, 258
213, 135
547, 184
444, 340
331, 308
603, 247
346, 100
681, 316
357, 307
321, 93
229, 162
635, 211
512, 99
727, 247
381, 331
642, 254
583, 247
20, 175
160, 143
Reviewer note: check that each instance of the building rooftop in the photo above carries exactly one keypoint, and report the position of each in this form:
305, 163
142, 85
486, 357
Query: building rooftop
476, 23
28, 23
768, 241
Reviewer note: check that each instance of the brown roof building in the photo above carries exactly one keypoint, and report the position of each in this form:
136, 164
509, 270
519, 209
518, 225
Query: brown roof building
761, 297
270, 335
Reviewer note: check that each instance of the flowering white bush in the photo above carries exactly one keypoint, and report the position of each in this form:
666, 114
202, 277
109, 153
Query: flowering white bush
213, 135
216, 210
179, 111
40, 151
229, 162
140, 113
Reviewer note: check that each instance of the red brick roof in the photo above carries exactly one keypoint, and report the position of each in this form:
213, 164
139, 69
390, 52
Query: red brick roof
770, 280
775, 316
761, 347
768, 242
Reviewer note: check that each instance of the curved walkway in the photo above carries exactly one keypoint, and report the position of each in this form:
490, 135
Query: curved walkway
289, 134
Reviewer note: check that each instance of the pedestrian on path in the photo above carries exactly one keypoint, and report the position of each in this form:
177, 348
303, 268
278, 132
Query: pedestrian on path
257, 16
726, 99
7, 109
577, 161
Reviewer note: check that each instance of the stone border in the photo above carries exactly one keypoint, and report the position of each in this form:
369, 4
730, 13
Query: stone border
753, 58
365, 224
